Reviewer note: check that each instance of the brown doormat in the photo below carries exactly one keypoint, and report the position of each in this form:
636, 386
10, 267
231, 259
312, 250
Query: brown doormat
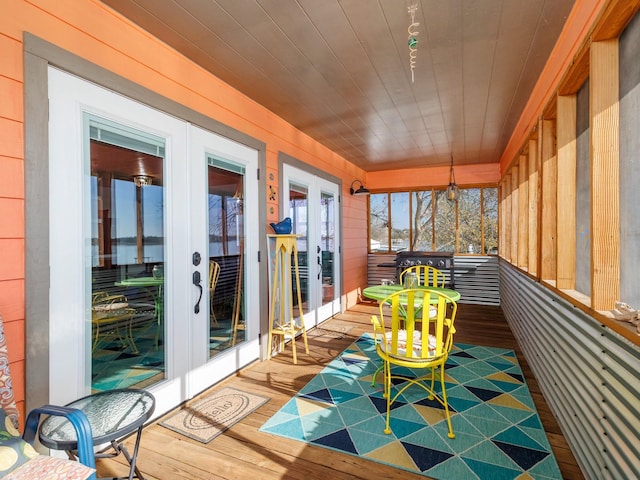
208, 417
333, 332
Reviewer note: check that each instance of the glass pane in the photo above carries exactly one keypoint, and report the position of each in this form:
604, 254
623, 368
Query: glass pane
470, 221
379, 222
400, 221
445, 223
490, 220
327, 245
422, 205
299, 213
227, 326
127, 259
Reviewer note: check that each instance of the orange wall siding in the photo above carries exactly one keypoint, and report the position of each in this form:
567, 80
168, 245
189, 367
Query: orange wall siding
12, 205
435, 176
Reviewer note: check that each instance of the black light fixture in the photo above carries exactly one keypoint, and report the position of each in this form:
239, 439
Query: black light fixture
360, 191
453, 193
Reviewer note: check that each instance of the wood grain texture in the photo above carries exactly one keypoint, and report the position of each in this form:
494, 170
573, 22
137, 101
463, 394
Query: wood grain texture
244, 452
548, 236
566, 133
534, 206
605, 157
515, 208
523, 213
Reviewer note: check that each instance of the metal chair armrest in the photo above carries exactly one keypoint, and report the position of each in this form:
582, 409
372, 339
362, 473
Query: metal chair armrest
79, 421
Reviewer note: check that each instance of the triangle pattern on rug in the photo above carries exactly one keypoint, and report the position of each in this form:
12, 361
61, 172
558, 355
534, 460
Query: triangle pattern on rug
498, 431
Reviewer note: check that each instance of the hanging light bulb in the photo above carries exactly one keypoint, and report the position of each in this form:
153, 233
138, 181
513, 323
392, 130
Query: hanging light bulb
453, 193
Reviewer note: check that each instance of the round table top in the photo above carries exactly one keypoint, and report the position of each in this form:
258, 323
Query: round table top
380, 292
140, 282
112, 414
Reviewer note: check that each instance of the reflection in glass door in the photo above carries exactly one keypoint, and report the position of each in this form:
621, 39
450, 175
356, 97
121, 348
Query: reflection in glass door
327, 250
298, 211
127, 256
226, 254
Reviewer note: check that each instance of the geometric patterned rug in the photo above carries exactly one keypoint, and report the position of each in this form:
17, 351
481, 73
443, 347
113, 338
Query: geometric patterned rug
498, 431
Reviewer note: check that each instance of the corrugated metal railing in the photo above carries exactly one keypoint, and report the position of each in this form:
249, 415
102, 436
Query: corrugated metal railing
589, 375
476, 277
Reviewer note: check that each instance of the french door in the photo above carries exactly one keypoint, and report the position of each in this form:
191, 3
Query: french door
224, 193
133, 212
312, 203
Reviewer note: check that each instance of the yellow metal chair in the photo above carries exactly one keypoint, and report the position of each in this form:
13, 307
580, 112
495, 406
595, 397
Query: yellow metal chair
214, 275
426, 275
110, 313
417, 333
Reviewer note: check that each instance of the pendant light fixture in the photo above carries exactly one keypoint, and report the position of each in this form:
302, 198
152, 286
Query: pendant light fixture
142, 180
453, 193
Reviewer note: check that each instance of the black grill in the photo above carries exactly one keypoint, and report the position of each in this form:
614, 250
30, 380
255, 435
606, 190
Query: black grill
443, 261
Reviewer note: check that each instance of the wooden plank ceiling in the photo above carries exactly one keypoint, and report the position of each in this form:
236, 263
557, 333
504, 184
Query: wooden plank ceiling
339, 69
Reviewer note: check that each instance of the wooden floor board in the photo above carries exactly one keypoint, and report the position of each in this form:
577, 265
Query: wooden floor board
243, 452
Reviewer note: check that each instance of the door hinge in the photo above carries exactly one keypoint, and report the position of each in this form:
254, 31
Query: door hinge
258, 256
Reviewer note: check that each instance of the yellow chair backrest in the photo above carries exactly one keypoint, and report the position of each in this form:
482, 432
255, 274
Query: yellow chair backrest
426, 275
419, 326
214, 274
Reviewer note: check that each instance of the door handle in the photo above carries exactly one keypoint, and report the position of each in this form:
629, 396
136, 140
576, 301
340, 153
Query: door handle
197, 281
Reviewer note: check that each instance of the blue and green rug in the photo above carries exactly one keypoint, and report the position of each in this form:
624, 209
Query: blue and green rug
498, 431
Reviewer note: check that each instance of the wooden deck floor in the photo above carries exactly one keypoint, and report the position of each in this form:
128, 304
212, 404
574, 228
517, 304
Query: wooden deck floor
242, 452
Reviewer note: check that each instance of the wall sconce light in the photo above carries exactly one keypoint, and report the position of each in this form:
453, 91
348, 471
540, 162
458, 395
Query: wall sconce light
142, 180
360, 191
453, 193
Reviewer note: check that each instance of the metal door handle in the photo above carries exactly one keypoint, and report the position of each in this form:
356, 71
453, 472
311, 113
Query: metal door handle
197, 281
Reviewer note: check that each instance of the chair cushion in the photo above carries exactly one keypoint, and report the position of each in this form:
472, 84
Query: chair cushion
14, 451
7, 400
19, 460
51, 468
402, 343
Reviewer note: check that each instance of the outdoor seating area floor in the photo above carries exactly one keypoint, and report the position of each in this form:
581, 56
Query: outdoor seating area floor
498, 432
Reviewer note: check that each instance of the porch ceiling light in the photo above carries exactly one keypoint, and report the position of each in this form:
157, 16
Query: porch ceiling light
360, 191
453, 193
142, 180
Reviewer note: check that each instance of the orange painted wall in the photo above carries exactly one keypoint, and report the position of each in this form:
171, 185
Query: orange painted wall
434, 176
90, 30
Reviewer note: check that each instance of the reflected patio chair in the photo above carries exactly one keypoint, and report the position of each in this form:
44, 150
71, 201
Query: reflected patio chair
111, 315
427, 275
214, 275
18, 458
416, 332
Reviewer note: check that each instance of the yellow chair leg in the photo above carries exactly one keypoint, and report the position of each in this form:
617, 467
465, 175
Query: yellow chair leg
446, 403
387, 393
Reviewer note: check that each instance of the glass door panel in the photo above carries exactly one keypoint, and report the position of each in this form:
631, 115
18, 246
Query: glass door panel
226, 255
127, 257
298, 211
327, 246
